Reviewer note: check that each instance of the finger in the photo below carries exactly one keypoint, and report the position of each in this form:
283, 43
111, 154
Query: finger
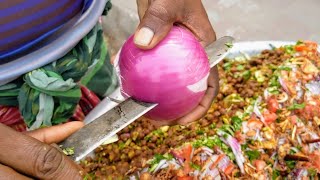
197, 21
56, 133
7, 173
142, 6
204, 105
155, 24
34, 158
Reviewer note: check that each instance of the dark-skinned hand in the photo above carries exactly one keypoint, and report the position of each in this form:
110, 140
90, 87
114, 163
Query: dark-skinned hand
30, 155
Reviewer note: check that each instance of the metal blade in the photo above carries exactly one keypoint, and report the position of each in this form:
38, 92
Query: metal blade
218, 49
98, 131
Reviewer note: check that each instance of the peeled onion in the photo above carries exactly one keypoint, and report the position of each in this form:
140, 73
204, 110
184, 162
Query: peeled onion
173, 74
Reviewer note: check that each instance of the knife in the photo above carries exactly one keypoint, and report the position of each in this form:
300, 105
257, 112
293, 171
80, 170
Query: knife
116, 112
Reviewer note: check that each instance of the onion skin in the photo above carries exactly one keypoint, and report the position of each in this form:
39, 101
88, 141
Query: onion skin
165, 73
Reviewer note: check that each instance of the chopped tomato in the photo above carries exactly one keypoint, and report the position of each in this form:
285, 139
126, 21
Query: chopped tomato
307, 46
273, 105
259, 164
229, 169
187, 150
254, 123
240, 137
221, 156
315, 159
293, 119
269, 117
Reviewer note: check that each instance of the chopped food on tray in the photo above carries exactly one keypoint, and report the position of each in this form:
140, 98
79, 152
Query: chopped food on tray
264, 124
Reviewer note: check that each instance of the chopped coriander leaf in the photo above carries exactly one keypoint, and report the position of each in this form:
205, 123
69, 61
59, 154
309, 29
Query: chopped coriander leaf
312, 172
195, 166
275, 174
68, 151
246, 75
227, 66
295, 106
284, 68
299, 147
212, 126
299, 42
236, 122
291, 164
252, 155
200, 132
289, 49
240, 67
292, 151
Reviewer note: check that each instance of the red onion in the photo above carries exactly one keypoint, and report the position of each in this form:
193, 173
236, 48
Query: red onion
235, 147
314, 87
173, 74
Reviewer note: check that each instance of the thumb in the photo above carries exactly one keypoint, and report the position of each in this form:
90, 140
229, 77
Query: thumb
56, 133
154, 26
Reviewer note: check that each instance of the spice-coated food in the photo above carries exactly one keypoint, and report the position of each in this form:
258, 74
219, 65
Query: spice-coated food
264, 124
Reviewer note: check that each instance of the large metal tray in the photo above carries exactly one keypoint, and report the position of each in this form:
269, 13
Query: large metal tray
250, 48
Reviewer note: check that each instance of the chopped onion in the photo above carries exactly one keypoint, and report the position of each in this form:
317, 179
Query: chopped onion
203, 156
299, 139
266, 94
257, 111
257, 136
294, 149
284, 98
174, 162
224, 162
207, 149
298, 174
283, 85
196, 173
314, 87
213, 173
245, 128
235, 147
192, 152
299, 90
281, 141
162, 163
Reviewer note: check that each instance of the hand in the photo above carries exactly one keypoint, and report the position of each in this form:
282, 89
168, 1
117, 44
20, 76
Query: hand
25, 156
156, 20
158, 16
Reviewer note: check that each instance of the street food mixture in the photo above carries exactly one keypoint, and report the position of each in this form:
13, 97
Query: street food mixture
264, 124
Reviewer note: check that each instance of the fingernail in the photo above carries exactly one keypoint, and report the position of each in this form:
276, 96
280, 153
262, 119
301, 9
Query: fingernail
144, 36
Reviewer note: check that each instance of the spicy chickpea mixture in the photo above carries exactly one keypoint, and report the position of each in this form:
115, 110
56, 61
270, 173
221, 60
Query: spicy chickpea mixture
264, 124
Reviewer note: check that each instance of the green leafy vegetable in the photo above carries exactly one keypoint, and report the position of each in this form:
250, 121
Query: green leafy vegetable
284, 68
68, 151
289, 49
252, 155
195, 166
275, 174
214, 141
291, 164
296, 106
312, 172
240, 67
246, 75
227, 66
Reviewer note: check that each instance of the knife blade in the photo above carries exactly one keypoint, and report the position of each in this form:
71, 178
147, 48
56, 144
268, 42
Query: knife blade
116, 112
